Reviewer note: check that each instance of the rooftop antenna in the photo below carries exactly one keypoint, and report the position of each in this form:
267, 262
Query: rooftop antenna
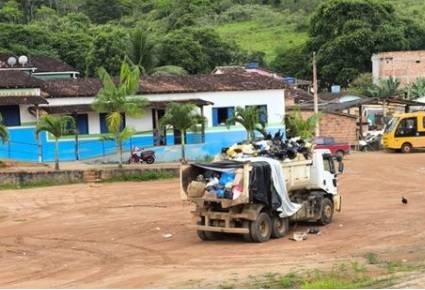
11, 61
23, 60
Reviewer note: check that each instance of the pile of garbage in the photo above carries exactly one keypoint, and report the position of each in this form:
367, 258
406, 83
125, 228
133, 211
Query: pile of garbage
223, 185
272, 147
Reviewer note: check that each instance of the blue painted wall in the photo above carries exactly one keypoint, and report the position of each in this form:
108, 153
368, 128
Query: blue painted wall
23, 145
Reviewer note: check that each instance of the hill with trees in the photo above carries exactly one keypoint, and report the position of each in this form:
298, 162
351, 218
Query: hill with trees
194, 36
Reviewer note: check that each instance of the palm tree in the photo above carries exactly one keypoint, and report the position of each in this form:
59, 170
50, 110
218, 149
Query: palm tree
182, 117
387, 88
297, 126
115, 99
58, 126
142, 51
4, 134
249, 118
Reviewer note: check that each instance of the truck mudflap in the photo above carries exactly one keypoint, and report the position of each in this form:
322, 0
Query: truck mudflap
337, 199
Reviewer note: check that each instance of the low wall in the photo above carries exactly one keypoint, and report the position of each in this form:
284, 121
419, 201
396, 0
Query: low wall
61, 177
39, 177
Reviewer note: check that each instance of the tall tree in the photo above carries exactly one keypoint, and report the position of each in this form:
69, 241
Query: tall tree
4, 134
102, 11
117, 98
58, 126
107, 50
10, 12
249, 118
182, 117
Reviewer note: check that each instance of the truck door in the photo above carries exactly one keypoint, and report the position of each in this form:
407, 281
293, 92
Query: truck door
329, 174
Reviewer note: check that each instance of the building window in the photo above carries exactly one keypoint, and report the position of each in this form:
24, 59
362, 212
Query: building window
11, 115
221, 115
262, 113
104, 126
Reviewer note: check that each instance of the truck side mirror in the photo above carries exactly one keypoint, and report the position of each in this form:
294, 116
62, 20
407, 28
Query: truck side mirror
340, 166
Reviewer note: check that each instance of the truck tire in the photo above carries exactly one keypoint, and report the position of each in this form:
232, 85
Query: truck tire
207, 235
261, 228
406, 148
280, 227
247, 237
326, 211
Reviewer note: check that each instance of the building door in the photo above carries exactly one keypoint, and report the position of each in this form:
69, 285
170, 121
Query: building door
159, 136
82, 123
11, 115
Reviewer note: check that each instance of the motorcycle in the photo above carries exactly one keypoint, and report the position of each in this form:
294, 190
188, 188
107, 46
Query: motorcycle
139, 155
372, 142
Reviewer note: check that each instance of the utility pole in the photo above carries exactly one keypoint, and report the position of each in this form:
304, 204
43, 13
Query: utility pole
39, 148
315, 96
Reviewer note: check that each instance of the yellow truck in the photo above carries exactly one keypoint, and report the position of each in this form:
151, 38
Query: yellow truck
405, 132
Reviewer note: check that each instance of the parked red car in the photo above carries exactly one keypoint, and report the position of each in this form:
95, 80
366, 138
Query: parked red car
337, 149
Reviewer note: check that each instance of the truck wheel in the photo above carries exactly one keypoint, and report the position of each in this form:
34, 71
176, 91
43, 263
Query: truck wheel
208, 236
280, 227
247, 237
406, 148
326, 212
261, 228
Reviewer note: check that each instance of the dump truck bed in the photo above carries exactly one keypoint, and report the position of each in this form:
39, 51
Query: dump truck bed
297, 176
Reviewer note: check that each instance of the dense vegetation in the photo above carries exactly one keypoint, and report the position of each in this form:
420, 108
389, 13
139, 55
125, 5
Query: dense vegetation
193, 36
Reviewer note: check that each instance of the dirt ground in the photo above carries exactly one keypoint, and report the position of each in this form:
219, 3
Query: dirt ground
111, 235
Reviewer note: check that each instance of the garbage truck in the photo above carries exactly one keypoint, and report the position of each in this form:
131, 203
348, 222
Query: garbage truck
250, 206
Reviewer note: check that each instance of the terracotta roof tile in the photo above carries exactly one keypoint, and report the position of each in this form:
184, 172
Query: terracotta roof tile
17, 79
169, 84
42, 63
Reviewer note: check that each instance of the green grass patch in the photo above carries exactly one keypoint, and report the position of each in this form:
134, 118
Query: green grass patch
372, 258
350, 275
143, 176
258, 35
40, 183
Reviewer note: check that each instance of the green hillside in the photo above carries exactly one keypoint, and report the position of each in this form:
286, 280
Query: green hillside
255, 35
190, 36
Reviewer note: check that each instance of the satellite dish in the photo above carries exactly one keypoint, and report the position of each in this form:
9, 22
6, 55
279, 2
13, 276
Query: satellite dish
11, 61
23, 60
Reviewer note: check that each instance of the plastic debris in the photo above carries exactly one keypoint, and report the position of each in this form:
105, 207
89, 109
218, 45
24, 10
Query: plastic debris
167, 236
299, 236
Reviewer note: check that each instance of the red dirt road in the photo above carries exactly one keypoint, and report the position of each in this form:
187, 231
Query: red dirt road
110, 235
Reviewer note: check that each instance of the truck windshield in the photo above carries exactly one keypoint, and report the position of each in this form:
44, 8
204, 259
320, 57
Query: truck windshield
391, 124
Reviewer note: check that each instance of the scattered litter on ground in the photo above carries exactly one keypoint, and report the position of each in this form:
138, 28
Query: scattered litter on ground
167, 236
314, 231
299, 236
341, 225
158, 228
